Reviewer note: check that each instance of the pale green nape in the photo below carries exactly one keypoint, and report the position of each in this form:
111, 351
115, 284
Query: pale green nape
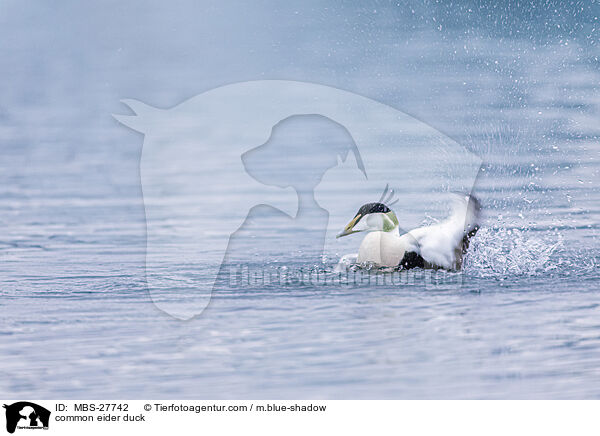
390, 222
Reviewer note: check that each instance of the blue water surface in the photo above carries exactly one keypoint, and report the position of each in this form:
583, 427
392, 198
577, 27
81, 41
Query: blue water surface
518, 85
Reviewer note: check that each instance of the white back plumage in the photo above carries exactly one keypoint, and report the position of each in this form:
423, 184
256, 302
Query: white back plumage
442, 244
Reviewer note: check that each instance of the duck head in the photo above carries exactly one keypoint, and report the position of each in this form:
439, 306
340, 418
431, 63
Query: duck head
371, 217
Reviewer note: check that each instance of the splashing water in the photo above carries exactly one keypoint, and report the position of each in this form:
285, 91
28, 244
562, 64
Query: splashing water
504, 252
